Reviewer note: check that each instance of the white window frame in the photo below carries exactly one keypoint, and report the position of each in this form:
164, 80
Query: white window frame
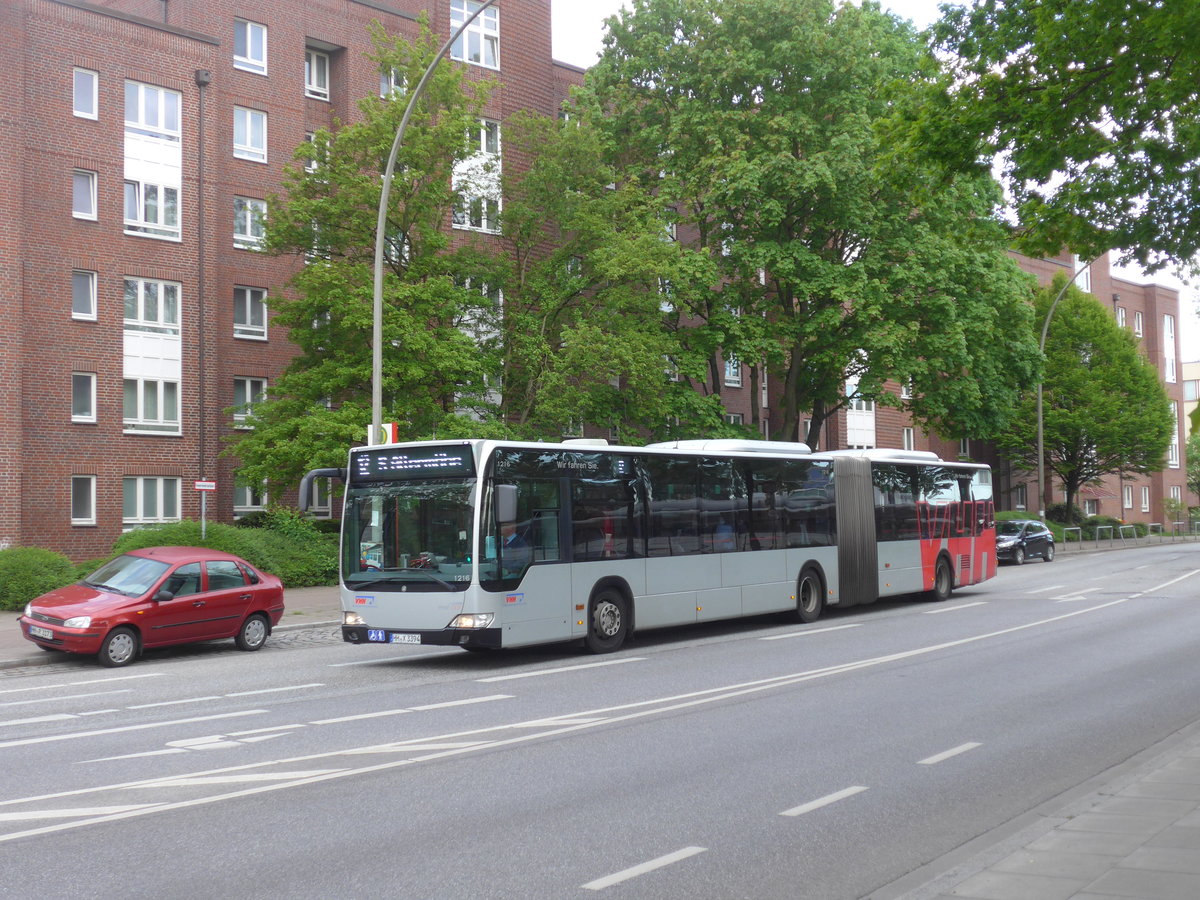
478, 177
85, 86
1122, 317
316, 74
247, 143
908, 438
152, 210
321, 505
87, 382
155, 111
83, 516
247, 392
1170, 369
253, 37
1137, 322
155, 406
1127, 496
1145, 499
83, 194
155, 499
1091, 507
83, 287
479, 45
246, 302
733, 372
1020, 496
166, 297
1177, 493
964, 447
249, 213
248, 499
1173, 447
391, 82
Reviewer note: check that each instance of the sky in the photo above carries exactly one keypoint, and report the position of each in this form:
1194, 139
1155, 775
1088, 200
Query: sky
578, 30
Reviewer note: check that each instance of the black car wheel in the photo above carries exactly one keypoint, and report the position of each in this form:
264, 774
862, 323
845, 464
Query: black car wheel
1048, 556
1019, 556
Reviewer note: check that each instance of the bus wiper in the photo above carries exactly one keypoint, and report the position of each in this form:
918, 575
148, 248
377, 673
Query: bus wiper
401, 579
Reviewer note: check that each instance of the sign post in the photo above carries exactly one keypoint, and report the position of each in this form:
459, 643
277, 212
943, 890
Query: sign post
204, 487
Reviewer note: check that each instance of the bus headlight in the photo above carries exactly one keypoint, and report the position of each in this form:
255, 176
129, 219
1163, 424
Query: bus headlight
473, 620
353, 618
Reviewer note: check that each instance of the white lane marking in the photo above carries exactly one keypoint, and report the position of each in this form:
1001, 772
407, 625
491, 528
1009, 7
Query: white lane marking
953, 751
264, 730
1076, 595
276, 690
805, 632
68, 697
98, 712
51, 687
244, 778
366, 662
1046, 590
69, 813
174, 702
370, 715
824, 801
24, 742
57, 717
946, 609
467, 702
634, 871
557, 669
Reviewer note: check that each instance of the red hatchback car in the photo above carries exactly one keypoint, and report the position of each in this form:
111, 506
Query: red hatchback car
156, 597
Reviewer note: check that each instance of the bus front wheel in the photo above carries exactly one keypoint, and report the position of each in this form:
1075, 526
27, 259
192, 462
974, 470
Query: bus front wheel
608, 621
810, 596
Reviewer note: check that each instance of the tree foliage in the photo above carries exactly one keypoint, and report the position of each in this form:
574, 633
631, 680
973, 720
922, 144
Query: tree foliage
1104, 409
776, 132
1096, 111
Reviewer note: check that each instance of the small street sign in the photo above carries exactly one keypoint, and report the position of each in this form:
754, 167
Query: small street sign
206, 485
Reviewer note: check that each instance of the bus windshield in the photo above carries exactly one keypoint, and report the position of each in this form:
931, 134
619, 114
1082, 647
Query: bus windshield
413, 534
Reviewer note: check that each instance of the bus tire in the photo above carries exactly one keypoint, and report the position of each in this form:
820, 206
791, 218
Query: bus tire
608, 621
943, 581
810, 596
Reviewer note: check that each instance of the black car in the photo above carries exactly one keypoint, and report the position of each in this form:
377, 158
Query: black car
1019, 539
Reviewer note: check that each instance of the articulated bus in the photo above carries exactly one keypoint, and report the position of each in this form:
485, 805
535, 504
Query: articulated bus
489, 544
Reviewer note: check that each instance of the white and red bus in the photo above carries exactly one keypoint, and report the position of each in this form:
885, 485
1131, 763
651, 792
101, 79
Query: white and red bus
487, 544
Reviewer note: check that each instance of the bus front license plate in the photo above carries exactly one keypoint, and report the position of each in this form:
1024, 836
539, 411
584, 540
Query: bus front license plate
406, 639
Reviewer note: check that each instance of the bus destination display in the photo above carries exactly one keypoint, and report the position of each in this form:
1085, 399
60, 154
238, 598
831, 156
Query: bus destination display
390, 464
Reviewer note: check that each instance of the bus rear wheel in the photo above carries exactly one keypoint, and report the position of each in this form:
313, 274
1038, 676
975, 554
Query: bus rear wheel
608, 621
810, 596
943, 581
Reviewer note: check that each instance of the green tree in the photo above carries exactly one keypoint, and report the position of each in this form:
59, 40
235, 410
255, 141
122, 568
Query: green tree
1192, 451
777, 131
1093, 109
1104, 409
435, 373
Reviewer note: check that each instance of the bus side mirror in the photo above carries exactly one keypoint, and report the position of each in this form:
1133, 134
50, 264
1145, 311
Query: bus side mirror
506, 503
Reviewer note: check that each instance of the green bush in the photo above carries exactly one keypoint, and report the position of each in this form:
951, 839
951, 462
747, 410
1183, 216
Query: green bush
28, 572
1058, 512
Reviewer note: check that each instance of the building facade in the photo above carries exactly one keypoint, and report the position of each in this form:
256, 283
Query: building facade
139, 142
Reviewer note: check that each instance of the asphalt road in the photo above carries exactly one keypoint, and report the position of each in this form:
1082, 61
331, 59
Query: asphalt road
751, 759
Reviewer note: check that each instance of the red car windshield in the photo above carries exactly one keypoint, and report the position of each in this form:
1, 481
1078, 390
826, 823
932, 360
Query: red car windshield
130, 575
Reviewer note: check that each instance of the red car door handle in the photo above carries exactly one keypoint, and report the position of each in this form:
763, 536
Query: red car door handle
197, 603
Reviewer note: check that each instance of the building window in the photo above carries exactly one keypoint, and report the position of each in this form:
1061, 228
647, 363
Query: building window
319, 504
146, 500
248, 218
1169, 370
1145, 499
1083, 274
1127, 496
734, 419
1137, 322
1091, 507
83, 397
1177, 493
249, 134
316, 74
908, 438
152, 111
964, 447
250, 46
477, 180
83, 295
151, 405
1020, 497
83, 499
733, 373
85, 103
1173, 447
248, 499
391, 82
480, 43
151, 306
1121, 316
246, 393
1191, 391
83, 194
151, 210
250, 313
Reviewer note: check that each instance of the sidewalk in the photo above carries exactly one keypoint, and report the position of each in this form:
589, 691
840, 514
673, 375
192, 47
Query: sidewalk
303, 608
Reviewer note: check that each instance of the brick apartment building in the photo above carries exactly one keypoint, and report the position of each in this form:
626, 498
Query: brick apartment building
137, 140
